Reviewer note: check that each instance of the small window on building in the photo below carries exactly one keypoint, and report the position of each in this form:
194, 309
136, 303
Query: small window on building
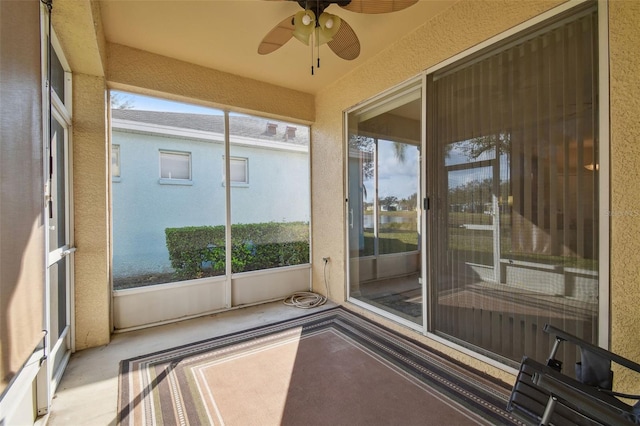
239, 170
115, 161
175, 165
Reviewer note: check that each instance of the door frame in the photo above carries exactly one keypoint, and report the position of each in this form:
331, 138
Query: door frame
414, 83
60, 110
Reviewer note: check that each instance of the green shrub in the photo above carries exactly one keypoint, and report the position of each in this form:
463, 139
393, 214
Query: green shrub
198, 251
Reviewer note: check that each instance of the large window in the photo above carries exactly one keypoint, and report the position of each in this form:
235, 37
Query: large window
175, 227
169, 153
514, 172
270, 216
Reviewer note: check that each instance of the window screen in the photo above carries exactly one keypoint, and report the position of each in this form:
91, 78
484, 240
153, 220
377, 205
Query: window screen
514, 164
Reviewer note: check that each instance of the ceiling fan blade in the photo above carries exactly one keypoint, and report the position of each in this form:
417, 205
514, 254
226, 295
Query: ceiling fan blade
378, 6
277, 37
345, 43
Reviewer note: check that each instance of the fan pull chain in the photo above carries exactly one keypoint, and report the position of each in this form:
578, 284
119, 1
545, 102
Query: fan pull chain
316, 31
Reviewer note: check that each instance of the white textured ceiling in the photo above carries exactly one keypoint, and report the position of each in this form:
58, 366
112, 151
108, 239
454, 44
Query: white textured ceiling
225, 34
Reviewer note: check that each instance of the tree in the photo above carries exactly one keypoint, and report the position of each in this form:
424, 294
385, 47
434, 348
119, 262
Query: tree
121, 101
389, 200
399, 150
477, 146
409, 203
364, 144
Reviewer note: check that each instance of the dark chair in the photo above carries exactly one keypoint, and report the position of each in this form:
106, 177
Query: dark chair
543, 393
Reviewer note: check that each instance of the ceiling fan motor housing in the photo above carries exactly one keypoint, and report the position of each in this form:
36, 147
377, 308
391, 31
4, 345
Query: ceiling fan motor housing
320, 5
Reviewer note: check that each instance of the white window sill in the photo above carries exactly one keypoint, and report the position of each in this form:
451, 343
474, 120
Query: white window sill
238, 185
184, 182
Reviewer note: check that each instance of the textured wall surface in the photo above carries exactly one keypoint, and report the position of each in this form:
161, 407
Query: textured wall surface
79, 29
461, 27
151, 74
624, 51
91, 207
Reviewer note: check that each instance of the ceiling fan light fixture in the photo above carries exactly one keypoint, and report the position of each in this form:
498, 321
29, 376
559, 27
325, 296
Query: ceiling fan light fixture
329, 23
303, 30
328, 26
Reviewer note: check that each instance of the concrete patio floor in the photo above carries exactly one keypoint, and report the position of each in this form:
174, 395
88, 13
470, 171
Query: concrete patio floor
88, 391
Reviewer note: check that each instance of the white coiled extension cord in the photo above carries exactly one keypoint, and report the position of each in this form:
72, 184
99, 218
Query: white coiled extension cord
309, 299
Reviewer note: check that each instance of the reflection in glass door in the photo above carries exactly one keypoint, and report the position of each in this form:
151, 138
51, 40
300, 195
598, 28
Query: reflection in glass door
514, 168
383, 209
476, 183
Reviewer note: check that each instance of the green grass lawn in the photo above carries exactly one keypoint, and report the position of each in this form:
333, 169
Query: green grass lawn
469, 245
391, 242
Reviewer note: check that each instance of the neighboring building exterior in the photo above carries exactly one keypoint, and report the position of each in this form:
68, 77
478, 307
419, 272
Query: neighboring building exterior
168, 172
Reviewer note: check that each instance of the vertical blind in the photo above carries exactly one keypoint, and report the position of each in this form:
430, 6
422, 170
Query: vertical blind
514, 173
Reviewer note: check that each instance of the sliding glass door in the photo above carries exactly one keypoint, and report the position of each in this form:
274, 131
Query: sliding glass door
511, 190
383, 209
514, 150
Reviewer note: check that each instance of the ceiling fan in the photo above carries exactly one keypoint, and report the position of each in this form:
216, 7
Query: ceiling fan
313, 26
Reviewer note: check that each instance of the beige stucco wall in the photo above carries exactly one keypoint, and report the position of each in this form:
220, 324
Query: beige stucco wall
151, 74
79, 29
624, 39
91, 207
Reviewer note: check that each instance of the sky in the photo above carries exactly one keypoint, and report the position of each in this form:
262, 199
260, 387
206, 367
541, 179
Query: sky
148, 103
402, 179
395, 178
462, 177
